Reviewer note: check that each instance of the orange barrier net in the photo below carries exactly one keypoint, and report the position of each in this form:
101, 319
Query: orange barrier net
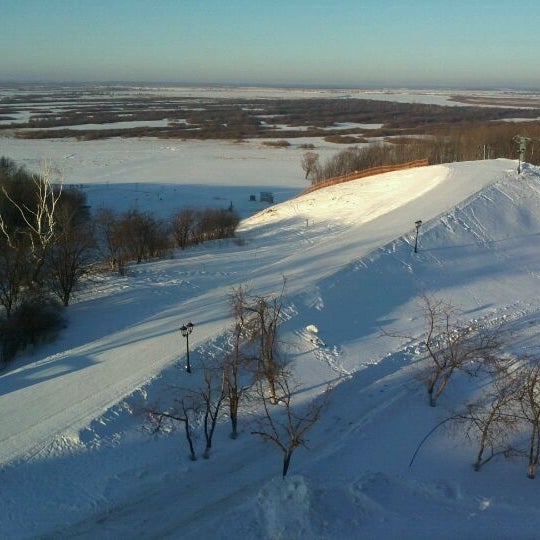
362, 174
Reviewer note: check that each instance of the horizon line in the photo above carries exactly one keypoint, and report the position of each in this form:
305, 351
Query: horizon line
277, 85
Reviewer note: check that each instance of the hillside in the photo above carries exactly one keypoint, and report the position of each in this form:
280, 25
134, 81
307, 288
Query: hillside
76, 463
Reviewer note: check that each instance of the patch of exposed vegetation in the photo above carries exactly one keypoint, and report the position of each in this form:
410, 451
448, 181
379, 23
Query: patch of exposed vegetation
228, 118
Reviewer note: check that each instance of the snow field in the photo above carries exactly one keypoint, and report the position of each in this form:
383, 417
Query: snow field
76, 463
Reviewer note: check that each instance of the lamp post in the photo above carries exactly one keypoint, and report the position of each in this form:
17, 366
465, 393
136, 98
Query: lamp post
417, 225
186, 329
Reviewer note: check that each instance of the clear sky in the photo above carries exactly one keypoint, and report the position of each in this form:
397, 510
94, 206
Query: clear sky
474, 43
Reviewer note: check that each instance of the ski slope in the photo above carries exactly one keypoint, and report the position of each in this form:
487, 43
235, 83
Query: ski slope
75, 462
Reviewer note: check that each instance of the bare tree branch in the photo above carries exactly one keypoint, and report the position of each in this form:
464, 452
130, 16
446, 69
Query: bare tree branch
286, 428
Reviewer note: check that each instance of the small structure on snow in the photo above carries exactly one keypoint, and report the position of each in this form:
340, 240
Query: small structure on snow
266, 196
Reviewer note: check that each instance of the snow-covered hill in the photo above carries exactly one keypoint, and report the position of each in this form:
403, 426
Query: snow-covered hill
76, 463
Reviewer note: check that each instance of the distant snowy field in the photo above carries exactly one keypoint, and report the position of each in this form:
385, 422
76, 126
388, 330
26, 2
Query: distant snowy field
161, 176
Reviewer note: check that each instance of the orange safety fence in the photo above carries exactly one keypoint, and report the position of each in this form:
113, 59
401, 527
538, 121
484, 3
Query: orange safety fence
362, 174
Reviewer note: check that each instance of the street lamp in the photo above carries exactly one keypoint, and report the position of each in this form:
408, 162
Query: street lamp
186, 329
417, 225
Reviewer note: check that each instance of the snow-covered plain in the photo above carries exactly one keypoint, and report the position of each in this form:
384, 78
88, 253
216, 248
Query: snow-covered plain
76, 464
162, 176
103, 92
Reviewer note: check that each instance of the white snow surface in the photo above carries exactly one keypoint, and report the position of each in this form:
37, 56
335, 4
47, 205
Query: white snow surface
75, 462
163, 176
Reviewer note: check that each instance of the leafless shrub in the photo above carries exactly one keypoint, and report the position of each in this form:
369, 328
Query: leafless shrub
184, 413
14, 273
236, 361
492, 420
183, 227
528, 396
310, 164
71, 256
453, 346
215, 224
261, 317
281, 143
143, 236
36, 319
211, 396
285, 428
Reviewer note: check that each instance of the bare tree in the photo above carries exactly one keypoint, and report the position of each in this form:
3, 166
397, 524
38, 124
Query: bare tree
232, 369
510, 407
14, 271
235, 361
310, 164
263, 324
183, 224
286, 428
109, 240
198, 409
492, 419
452, 346
183, 413
212, 397
141, 234
70, 256
529, 402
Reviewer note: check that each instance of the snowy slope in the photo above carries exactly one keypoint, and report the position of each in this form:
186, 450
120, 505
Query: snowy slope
76, 463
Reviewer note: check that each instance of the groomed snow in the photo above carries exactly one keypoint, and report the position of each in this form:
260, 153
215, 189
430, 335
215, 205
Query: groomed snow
76, 463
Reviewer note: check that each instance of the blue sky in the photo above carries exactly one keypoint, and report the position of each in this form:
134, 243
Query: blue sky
475, 43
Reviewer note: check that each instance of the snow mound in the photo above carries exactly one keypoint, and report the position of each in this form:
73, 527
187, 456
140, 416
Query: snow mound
284, 508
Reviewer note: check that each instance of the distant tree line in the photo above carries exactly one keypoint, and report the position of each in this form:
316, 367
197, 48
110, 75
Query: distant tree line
454, 143
49, 242
351, 120
137, 236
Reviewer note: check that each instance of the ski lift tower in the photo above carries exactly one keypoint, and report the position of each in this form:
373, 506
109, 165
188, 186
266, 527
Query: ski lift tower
522, 141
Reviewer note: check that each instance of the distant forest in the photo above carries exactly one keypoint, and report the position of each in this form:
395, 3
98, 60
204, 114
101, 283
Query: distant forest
336, 120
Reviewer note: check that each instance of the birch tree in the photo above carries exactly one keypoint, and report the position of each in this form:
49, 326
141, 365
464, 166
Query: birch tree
39, 219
